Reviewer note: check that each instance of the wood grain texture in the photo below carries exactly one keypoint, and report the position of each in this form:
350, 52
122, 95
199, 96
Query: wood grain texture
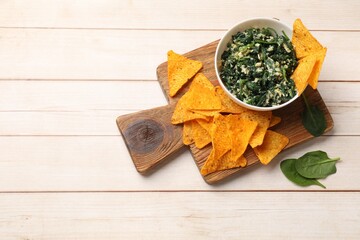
66, 112
102, 163
178, 215
163, 14
150, 137
69, 68
291, 125
67, 54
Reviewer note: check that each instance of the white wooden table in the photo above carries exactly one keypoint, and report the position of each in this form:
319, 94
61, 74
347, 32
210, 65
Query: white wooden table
69, 68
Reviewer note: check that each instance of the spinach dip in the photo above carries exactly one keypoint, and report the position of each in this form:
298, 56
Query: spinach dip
257, 65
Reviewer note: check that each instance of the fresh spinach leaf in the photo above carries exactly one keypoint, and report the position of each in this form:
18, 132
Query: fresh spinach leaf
288, 168
316, 164
313, 119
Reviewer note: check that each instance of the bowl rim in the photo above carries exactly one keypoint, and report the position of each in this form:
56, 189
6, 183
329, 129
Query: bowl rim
218, 54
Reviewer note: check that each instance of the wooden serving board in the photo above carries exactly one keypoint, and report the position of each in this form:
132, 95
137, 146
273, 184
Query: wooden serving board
166, 138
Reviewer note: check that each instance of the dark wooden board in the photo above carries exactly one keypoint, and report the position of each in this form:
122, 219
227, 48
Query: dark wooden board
291, 124
151, 138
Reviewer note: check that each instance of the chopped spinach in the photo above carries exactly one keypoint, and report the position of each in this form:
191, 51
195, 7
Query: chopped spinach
257, 66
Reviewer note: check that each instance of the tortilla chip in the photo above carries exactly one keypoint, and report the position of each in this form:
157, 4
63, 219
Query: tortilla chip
273, 143
206, 124
274, 121
200, 135
182, 113
221, 140
203, 95
302, 40
208, 113
202, 80
314, 76
263, 120
225, 162
228, 105
187, 136
203, 99
241, 131
302, 72
180, 70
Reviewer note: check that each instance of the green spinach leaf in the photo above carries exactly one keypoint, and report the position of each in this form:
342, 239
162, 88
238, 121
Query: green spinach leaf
313, 119
316, 164
288, 168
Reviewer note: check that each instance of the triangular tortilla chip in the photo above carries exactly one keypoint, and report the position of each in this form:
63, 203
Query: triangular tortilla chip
302, 40
273, 143
187, 133
225, 162
208, 113
228, 105
274, 121
241, 131
182, 113
193, 132
314, 76
200, 135
302, 73
220, 136
206, 124
203, 98
263, 119
202, 80
180, 70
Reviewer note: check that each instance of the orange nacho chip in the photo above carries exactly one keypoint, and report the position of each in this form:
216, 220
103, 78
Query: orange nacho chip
241, 131
311, 54
314, 76
180, 70
206, 124
202, 80
263, 120
203, 94
225, 162
200, 96
304, 43
273, 143
187, 135
193, 132
203, 99
274, 121
302, 73
228, 105
200, 135
182, 113
220, 136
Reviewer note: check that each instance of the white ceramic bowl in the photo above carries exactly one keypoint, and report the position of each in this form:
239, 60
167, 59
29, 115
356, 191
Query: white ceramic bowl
254, 22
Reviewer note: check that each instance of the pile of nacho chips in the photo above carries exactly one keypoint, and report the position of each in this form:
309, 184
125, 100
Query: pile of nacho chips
310, 54
209, 116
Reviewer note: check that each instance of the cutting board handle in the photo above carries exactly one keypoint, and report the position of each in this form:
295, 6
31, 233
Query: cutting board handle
150, 137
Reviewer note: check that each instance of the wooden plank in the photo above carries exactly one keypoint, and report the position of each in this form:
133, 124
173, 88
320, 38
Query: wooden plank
66, 163
195, 15
79, 95
72, 54
101, 122
56, 216
93, 112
